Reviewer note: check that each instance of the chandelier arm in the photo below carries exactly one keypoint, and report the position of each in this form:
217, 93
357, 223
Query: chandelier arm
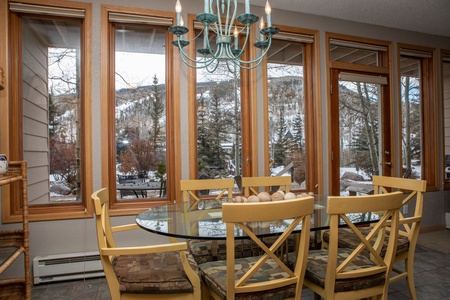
214, 69
187, 58
218, 24
247, 36
199, 64
257, 59
233, 17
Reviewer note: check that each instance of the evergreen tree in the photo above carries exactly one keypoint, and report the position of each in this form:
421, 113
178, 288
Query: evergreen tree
157, 113
297, 127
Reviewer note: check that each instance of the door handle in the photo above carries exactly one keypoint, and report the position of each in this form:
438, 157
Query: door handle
388, 163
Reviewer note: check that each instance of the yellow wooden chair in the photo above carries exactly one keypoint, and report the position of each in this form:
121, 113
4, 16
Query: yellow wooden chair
190, 189
408, 230
342, 273
250, 185
409, 226
146, 272
208, 250
265, 276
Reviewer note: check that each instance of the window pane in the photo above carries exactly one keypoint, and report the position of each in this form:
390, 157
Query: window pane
218, 125
286, 112
354, 55
411, 117
446, 82
359, 134
51, 108
219, 144
140, 111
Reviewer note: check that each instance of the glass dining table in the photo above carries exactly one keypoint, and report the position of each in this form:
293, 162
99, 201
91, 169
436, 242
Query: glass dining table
203, 220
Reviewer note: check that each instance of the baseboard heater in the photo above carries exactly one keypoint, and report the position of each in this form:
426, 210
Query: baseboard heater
71, 266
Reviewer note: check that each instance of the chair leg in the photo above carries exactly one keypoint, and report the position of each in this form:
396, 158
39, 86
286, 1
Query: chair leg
409, 266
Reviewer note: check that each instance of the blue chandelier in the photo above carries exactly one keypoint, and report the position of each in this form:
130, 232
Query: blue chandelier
218, 20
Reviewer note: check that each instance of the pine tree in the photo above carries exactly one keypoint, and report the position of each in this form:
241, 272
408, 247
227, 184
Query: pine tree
157, 110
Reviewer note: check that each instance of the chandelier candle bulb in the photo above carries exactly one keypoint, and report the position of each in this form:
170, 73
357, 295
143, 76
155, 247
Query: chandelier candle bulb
247, 6
205, 38
206, 6
236, 39
178, 10
261, 27
268, 12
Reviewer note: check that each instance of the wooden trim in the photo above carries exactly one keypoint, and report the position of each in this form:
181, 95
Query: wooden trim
192, 109
360, 68
357, 39
265, 103
173, 147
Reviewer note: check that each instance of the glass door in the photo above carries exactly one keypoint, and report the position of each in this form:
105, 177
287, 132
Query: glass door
361, 141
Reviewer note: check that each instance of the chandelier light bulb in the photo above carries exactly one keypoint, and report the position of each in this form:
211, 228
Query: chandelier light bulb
178, 6
268, 9
178, 11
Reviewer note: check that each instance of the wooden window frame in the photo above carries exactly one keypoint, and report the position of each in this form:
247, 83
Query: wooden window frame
313, 128
429, 139
12, 140
247, 110
133, 206
444, 53
333, 67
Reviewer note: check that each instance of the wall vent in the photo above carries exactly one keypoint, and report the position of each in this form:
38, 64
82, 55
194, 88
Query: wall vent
71, 266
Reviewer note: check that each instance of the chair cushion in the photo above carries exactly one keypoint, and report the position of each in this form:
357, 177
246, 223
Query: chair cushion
152, 273
214, 275
317, 267
212, 250
348, 239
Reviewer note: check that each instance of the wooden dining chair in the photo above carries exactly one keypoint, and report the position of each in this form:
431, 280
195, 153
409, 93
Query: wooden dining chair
145, 272
408, 230
265, 276
190, 189
272, 184
208, 250
251, 185
409, 225
343, 273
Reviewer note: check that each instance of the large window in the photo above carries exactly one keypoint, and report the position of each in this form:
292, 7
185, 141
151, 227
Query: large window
287, 112
50, 96
360, 114
418, 108
138, 108
229, 127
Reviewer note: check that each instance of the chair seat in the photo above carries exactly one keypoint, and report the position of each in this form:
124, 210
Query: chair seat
212, 250
347, 239
317, 267
153, 273
214, 275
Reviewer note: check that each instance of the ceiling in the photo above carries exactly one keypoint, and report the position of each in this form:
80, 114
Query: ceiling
426, 16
